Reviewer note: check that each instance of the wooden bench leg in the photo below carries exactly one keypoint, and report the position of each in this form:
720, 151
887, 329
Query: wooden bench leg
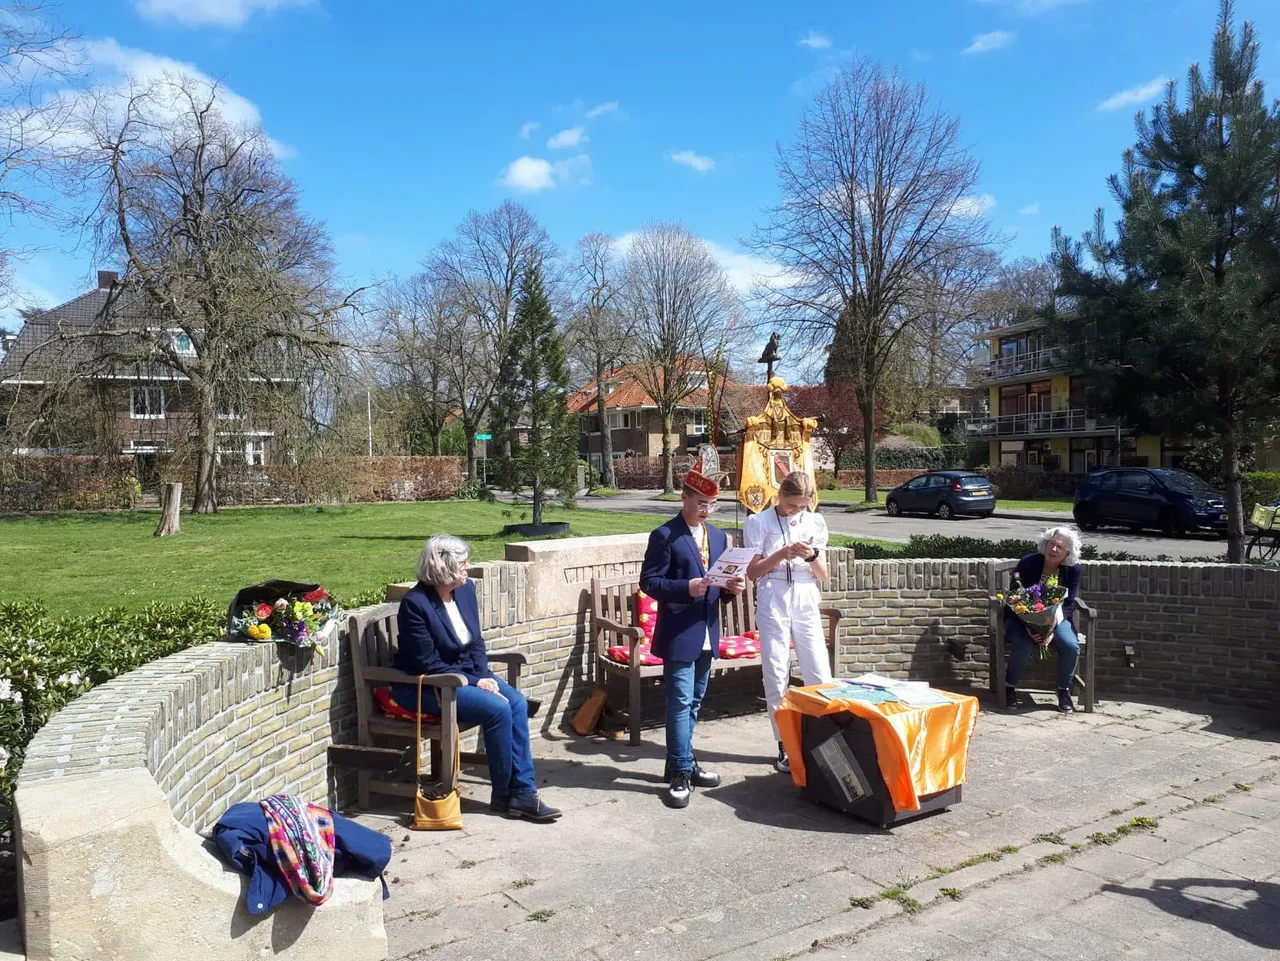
633, 708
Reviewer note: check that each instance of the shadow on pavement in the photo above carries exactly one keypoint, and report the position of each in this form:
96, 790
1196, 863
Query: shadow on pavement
1256, 920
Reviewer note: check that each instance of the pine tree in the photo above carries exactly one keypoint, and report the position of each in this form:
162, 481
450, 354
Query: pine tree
1178, 317
531, 408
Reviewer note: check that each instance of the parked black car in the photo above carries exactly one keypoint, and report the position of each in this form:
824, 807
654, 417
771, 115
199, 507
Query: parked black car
1172, 501
947, 493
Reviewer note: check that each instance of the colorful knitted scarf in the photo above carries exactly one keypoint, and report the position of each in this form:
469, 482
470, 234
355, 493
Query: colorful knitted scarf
302, 839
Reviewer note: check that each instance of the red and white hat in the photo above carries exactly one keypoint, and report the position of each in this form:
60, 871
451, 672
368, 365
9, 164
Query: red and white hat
704, 485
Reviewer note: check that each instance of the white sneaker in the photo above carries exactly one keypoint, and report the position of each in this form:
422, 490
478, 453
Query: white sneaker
783, 763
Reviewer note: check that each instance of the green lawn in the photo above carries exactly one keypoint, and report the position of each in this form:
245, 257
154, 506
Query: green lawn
851, 496
80, 563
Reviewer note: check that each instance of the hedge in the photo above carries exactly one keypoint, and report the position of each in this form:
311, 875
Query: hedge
1259, 487
946, 457
939, 546
38, 482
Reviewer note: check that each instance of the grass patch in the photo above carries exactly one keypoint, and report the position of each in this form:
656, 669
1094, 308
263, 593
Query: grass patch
605, 492
866, 903
1010, 849
426, 914
542, 915
521, 882
672, 496
1244, 787
1145, 823
1048, 839
1213, 799
904, 900
955, 894
1098, 837
1056, 858
113, 559
1139, 804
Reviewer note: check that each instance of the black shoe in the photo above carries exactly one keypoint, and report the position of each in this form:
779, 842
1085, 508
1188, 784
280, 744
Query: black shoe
782, 764
700, 777
1010, 699
534, 706
679, 790
531, 808
1065, 704
499, 803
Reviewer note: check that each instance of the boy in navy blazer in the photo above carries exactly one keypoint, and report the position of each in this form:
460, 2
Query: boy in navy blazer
687, 633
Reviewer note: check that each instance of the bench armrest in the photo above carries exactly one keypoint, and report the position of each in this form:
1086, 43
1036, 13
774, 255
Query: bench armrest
515, 662
605, 624
1086, 609
389, 675
831, 613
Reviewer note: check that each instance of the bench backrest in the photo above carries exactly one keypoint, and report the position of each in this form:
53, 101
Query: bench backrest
615, 598
371, 638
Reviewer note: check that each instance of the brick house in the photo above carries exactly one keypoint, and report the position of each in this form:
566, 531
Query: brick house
636, 425
143, 409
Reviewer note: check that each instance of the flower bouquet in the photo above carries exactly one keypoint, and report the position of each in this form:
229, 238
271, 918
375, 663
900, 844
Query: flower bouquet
1038, 607
304, 615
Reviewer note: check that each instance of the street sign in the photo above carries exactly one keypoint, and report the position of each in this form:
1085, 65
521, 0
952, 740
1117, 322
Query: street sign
484, 437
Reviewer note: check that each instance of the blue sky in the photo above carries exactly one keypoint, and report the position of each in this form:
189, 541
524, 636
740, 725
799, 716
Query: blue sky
397, 117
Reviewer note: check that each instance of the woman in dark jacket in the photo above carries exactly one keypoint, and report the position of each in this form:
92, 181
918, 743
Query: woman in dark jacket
440, 634
1056, 563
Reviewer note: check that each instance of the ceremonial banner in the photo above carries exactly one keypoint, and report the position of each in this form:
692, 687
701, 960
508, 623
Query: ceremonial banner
775, 443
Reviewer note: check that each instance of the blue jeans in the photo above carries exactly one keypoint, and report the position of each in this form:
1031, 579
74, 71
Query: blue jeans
1021, 649
504, 722
685, 683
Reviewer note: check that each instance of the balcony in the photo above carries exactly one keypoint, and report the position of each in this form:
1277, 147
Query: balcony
1047, 423
1046, 360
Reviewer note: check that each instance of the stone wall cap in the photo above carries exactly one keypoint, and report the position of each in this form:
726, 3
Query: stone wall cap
528, 550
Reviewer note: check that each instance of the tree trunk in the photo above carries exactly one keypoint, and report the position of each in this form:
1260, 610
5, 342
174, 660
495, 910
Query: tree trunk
206, 499
435, 442
668, 465
1235, 509
607, 477
170, 511
537, 499
872, 495
471, 451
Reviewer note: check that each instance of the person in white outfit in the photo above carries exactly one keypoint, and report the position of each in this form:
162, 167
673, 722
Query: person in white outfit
789, 540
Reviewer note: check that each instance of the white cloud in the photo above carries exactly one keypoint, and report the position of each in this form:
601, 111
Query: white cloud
573, 137
532, 174
974, 206
222, 13
1134, 95
600, 109
815, 41
693, 161
742, 270
1030, 210
117, 68
987, 42
528, 128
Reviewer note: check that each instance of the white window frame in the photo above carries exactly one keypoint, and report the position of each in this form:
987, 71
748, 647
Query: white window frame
620, 420
142, 390
698, 423
255, 450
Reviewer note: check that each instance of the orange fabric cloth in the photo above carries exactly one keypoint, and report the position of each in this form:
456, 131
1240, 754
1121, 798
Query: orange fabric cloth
921, 750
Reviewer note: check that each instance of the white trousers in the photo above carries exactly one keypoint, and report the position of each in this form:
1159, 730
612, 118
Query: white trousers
786, 614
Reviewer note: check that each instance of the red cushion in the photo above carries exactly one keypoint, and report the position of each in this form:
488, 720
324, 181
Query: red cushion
742, 645
647, 614
391, 707
623, 655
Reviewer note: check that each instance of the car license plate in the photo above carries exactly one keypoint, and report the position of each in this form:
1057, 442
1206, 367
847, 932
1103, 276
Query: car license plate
1224, 517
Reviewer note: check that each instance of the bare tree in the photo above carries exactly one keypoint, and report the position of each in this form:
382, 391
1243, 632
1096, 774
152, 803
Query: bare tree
414, 320
35, 49
681, 305
1018, 290
877, 194
227, 283
600, 332
481, 267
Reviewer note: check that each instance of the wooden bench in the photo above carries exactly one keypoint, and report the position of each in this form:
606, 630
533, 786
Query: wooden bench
372, 636
1084, 620
614, 623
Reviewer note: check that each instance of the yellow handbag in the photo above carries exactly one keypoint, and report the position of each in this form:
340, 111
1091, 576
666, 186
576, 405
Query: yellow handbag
435, 811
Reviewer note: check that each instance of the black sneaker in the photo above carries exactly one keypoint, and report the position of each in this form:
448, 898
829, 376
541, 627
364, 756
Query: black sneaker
701, 777
679, 790
782, 763
1065, 704
1010, 698
531, 808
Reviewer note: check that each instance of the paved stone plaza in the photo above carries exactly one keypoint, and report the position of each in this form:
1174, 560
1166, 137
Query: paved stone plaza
749, 871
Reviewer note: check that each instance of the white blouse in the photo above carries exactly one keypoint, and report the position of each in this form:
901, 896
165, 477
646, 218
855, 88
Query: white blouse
767, 533
459, 625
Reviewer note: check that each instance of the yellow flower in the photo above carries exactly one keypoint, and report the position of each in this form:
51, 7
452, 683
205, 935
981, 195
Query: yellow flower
259, 632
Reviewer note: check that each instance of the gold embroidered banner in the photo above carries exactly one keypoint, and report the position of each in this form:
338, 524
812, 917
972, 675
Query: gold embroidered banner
775, 443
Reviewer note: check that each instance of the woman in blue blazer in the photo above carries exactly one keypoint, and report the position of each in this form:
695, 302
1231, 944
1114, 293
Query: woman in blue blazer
440, 634
1056, 562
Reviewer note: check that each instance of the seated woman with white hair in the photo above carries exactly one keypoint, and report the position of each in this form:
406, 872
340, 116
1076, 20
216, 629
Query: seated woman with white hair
1056, 563
440, 634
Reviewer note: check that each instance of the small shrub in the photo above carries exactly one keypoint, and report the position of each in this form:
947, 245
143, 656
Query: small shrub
866, 903
542, 915
955, 894
922, 435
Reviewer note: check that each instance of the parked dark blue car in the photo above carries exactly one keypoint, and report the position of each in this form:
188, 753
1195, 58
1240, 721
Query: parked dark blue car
1174, 502
947, 493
